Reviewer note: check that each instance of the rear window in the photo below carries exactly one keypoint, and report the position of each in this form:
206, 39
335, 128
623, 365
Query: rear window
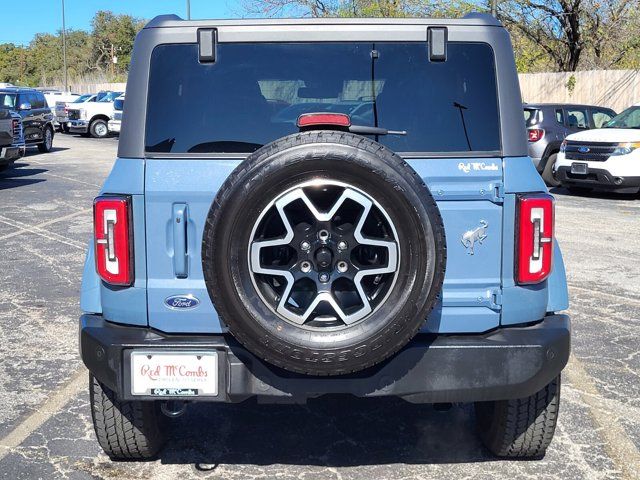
254, 94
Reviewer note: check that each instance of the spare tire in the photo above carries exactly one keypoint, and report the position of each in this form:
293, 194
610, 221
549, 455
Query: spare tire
323, 253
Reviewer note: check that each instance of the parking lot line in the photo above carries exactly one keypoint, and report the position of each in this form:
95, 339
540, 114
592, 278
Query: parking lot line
38, 229
53, 405
617, 443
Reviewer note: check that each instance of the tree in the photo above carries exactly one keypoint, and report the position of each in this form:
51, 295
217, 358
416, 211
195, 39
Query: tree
547, 34
113, 36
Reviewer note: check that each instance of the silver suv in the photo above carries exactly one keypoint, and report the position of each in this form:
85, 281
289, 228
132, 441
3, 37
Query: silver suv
549, 123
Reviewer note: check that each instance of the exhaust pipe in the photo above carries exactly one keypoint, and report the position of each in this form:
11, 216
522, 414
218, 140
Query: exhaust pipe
173, 408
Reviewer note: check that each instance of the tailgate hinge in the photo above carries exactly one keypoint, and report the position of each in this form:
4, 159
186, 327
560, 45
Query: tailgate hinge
497, 192
495, 299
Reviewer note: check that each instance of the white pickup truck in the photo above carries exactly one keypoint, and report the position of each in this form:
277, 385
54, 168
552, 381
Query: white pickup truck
62, 117
92, 118
606, 158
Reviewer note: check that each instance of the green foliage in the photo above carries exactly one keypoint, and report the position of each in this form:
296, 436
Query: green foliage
571, 84
88, 53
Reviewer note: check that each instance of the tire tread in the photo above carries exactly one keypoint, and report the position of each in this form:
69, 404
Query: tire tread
522, 427
126, 430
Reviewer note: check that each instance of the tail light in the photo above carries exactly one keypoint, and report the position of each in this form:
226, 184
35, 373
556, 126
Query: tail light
15, 127
113, 239
534, 243
320, 119
535, 134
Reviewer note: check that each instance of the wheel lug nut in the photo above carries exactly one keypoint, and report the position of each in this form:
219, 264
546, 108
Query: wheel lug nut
304, 245
324, 277
305, 267
342, 245
323, 236
342, 266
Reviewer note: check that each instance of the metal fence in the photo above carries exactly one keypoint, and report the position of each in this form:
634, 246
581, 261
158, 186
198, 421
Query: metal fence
617, 89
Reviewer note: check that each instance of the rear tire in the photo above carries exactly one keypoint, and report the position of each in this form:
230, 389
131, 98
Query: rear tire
47, 141
125, 430
547, 174
520, 428
99, 128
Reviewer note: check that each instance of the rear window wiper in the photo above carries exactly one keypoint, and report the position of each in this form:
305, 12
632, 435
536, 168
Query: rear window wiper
340, 121
367, 130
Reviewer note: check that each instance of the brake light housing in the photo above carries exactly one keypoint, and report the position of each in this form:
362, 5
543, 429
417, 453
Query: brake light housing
535, 134
113, 238
534, 238
324, 119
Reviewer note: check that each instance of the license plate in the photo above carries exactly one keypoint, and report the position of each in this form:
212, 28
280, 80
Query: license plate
579, 168
184, 374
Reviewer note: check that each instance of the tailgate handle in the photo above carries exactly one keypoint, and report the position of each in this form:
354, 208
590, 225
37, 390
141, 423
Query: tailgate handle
180, 253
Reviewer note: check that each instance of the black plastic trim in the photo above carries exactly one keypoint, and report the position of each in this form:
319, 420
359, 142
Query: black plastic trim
603, 179
509, 362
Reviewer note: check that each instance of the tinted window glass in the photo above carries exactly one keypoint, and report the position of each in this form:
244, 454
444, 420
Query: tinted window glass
559, 116
82, 98
36, 100
600, 117
118, 104
254, 94
7, 100
630, 118
577, 118
109, 97
530, 116
42, 101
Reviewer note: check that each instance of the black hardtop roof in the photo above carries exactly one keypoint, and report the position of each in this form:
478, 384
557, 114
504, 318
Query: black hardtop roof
470, 19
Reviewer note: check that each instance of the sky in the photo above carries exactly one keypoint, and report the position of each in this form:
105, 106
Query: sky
45, 16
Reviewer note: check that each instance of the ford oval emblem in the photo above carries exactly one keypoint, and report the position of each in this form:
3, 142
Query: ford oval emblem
181, 302
584, 149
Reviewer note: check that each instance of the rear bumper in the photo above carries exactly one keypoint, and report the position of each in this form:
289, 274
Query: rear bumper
599, 178
509, 362
114, 126
10, 154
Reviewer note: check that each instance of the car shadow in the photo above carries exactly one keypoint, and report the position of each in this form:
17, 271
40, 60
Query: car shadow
33, 151
16, 175
330, 431
599, 194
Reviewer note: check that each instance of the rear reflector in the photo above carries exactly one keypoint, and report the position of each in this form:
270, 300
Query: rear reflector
113, 239
317, 119
534, 243
535, 134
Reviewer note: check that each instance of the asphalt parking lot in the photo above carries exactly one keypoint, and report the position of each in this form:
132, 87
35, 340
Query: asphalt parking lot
45, 425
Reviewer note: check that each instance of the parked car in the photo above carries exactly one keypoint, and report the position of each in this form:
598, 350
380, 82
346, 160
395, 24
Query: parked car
37, 119
12, 145
116, 120
62, 116
607, 158
238, 256
92, 118
549, 123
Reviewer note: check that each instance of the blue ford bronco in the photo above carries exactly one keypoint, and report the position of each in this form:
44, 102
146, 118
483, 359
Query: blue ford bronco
309, 207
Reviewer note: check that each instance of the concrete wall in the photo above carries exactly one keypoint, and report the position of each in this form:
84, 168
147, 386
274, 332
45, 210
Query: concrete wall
617, 89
